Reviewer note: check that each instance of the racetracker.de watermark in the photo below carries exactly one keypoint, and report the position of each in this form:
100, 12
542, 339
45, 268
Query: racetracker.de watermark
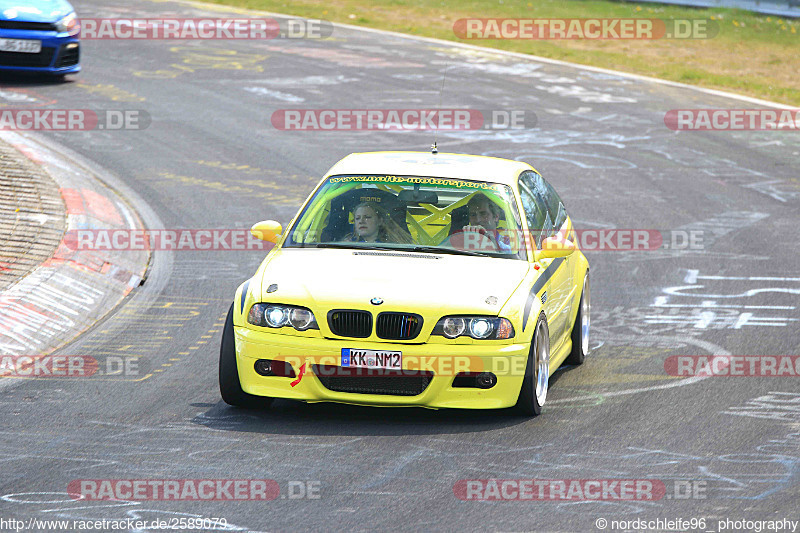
74, 119
588, 240
186, 522
559, 489
173, 489
733, 365
733, 119
164, 239
192, 489
402, 119
585, 29
204, 28
72, 366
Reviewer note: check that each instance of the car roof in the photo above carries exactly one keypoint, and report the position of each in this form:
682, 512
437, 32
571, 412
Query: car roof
441, 165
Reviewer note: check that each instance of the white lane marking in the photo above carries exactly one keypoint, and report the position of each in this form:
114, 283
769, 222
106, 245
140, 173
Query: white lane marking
678, 291
661, 301
692, 275
706, 318
127, 214
278, 95
749, 278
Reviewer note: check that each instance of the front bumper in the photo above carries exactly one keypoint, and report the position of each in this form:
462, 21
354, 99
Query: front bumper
60, 53
506, 361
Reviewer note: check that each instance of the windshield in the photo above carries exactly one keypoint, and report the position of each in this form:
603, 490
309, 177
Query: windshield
411, 213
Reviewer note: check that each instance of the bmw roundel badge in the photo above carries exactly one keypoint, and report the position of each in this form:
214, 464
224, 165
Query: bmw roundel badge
376, 301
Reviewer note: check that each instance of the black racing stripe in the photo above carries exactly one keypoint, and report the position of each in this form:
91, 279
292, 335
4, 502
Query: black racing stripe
539, 285
528, 305
546, 275
244, 295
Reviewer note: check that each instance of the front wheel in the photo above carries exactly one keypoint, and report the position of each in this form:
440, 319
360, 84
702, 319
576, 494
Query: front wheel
537, 372
580, 329
229, 385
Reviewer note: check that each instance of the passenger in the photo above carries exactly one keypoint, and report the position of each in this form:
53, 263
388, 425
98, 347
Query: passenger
371, 223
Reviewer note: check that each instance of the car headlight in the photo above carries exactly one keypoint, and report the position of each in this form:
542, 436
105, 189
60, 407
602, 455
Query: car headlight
452, 327
69, 24
480, 328
278, 315
477, 327
301, 319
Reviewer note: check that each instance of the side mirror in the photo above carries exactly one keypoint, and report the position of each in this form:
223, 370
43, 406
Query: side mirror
267, 230
554, 247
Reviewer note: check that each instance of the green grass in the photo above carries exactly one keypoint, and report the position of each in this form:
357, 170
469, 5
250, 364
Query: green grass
755, 55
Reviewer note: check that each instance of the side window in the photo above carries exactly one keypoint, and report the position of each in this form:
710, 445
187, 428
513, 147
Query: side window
555, 206
536, 214
547, 199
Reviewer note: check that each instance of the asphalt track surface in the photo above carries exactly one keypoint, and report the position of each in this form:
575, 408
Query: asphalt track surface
211, 159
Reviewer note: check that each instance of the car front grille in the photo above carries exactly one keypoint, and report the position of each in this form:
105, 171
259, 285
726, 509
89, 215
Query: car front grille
69, 56
21, 25
20, 59
349, 323
373, 381
398, 326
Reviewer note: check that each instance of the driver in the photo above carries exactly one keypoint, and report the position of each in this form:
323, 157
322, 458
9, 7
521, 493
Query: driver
482, 232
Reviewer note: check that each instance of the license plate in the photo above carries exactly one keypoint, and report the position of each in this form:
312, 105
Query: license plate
25, 46
353, 358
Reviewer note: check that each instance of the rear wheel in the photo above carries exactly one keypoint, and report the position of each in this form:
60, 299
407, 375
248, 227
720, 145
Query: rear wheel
537, 372
229, 385
580, 329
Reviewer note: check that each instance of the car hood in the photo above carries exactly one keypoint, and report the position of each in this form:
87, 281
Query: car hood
330, 279
34, 10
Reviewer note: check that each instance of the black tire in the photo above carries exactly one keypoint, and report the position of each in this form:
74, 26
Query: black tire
229, 385
529, 404
580, 329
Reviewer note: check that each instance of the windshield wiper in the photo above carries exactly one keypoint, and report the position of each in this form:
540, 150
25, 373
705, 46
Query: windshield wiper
336, 245
437, 250
424, 249
354, 246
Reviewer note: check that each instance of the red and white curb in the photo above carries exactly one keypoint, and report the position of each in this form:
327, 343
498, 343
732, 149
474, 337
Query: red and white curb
73, 289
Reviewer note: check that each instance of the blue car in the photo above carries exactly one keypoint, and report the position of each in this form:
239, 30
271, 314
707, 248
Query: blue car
39, 36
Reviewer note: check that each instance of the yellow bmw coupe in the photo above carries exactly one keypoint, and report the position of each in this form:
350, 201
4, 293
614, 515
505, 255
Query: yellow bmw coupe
413, 279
